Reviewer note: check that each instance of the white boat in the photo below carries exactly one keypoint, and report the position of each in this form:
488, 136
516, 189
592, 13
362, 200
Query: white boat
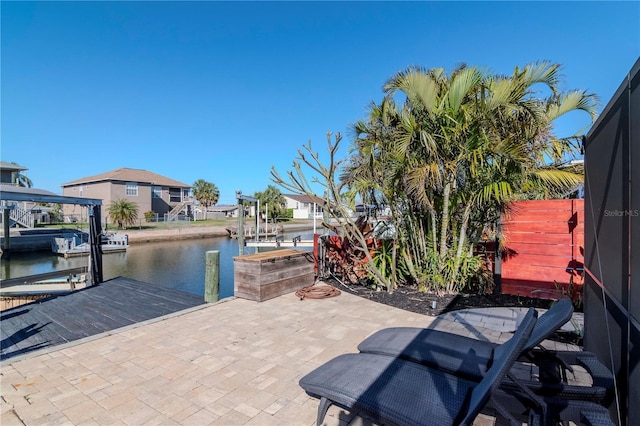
75, 245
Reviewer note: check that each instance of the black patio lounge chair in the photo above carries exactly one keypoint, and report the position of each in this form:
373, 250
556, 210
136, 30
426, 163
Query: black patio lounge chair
470, 358
549, 410
563, 411
396, 391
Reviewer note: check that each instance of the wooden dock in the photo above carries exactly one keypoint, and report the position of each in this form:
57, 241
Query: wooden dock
250, 231
49, 283
113, 304
281, 243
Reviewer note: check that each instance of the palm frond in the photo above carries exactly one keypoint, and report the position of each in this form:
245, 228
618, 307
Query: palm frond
571, 101
542, 72
463, 83
558, 179
500, 93
420, 179
501, 192
419, 87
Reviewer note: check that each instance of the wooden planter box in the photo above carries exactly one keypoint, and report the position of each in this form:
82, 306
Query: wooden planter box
263, 276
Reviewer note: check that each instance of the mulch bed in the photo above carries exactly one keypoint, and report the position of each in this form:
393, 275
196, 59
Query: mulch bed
410, 299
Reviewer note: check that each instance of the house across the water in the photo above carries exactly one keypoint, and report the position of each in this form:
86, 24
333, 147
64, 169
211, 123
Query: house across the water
166, 197
23, 214
304, 206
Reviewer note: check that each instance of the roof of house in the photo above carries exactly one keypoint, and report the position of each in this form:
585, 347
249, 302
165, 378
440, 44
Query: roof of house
20, 193
306, 198
4, 165
129, 175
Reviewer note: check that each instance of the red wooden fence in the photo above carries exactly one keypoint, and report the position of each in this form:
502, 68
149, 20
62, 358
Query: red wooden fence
544, 244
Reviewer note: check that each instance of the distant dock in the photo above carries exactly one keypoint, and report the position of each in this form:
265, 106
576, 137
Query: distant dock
279, 242
250, 231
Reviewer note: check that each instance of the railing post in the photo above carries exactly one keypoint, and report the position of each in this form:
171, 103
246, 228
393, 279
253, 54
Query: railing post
95, 235
212, 277
6, 249
240, 223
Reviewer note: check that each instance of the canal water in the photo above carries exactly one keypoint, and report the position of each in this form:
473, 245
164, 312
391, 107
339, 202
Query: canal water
179, 265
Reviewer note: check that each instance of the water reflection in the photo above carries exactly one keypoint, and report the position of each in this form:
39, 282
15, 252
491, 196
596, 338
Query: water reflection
39, 262
178, 265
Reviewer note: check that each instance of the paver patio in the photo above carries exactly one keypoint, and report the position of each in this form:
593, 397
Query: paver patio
232, 363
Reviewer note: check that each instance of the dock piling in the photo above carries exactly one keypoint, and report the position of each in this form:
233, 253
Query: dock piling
212, 277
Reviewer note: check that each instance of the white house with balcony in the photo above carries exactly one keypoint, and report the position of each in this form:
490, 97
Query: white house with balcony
304, 206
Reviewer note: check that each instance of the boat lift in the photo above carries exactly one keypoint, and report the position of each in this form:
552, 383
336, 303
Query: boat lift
277, 243
240, 197
94, 205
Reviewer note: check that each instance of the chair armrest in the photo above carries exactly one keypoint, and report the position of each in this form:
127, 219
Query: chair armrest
600, 374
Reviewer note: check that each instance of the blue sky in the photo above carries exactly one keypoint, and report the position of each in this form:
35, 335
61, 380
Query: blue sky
223, 91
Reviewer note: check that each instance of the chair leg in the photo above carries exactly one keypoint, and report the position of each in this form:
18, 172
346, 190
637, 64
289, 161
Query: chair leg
323, 407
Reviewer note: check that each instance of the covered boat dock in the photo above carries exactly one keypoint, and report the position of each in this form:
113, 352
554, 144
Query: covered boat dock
9, 193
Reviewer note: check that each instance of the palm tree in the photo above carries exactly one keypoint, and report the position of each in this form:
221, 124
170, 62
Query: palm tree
446, 153
206, 193
274, 200
124, 212
457, 150
20, 179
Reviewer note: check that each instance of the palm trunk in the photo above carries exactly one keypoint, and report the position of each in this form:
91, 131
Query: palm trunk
445, 220
394, 257
434, 228
461, 242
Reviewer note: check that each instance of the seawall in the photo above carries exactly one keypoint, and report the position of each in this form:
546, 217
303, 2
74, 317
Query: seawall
40, 239
151, 235
193, 232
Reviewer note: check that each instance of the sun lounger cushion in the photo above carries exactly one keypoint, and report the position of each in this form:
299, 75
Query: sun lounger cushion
463, 356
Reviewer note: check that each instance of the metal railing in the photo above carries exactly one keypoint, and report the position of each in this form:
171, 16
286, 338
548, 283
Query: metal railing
22, 217
176, 211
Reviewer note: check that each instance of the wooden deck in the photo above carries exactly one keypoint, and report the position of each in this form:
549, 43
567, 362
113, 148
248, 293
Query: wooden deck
113, 304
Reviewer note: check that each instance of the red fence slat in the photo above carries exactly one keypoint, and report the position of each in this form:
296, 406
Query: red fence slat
543, 241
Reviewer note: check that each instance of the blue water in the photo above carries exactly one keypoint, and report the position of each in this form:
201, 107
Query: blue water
179, 265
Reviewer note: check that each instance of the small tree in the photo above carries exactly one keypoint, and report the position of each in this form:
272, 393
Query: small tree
56, 213
342, 202
206, 193
123, 212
